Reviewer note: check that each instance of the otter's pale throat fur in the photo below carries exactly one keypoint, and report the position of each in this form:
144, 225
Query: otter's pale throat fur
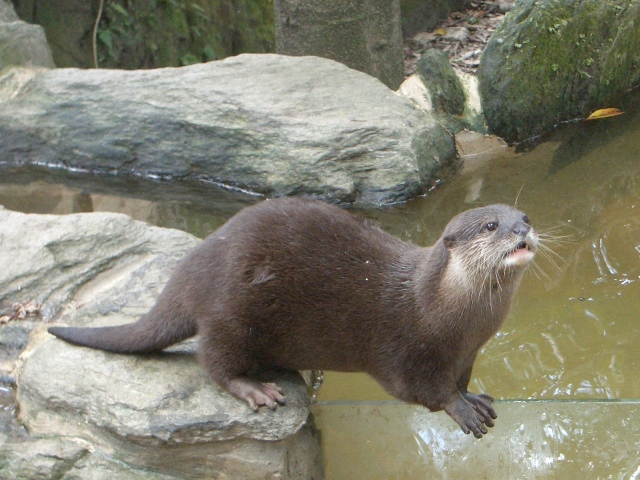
299, 284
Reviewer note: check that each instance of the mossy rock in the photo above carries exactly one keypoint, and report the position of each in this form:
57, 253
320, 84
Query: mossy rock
557, 60
450, 97
446, 91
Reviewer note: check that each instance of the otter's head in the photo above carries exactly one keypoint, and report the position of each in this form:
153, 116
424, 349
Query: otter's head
489, 245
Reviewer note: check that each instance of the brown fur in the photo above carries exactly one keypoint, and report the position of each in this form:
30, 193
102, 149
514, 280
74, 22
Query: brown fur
300, 284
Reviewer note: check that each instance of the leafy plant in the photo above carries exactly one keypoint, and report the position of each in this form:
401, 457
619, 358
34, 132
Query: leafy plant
157, 33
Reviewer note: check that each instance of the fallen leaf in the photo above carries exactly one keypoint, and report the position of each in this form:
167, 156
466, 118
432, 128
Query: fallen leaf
604, 113
22, 311
440, 31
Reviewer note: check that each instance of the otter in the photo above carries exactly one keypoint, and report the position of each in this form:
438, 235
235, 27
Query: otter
300, 284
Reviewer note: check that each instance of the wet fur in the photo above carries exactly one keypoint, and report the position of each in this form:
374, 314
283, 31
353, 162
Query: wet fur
300, 284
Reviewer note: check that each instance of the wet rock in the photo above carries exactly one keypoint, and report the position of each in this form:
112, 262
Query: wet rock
13, 340
21, 43
267, 123
552, 61
97, 415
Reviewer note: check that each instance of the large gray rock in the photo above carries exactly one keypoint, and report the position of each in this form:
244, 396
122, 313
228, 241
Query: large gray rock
97, 415
267, 123
363, 34
162, 413
99, 262
21, 43
556, 60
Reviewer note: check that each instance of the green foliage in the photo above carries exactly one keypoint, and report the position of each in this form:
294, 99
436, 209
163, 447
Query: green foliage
160, 33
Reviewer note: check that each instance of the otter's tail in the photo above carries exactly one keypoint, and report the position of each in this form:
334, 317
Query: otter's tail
147, 335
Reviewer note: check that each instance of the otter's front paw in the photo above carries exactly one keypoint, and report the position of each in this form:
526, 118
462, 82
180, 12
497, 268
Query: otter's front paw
466, 415
482, 403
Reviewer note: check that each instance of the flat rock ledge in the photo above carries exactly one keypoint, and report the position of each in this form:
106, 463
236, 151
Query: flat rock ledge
91, 414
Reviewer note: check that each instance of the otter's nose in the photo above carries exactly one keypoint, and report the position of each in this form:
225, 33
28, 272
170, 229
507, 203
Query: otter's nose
521, 228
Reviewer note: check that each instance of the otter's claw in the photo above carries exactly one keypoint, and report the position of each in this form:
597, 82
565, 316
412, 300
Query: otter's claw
482, 404
256, 394
468, 416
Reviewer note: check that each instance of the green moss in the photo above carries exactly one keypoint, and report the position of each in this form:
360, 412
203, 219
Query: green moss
555, 60
446, 91
160, 33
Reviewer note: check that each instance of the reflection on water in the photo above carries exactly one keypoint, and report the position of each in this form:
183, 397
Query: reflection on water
573, 333
9, 427
195, 208
574, 330
563, 440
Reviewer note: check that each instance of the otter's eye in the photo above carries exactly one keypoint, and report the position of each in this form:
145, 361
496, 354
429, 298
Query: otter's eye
525, 219
491, 226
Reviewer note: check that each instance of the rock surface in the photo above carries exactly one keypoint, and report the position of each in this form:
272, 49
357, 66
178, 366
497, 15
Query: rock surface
266, 123
449, 96
362, 34
554, 60
21, 43
101, 262
91, 414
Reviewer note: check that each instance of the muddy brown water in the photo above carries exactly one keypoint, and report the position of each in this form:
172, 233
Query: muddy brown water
565, 367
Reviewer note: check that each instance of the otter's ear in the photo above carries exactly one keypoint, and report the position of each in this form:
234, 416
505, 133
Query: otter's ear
449, 241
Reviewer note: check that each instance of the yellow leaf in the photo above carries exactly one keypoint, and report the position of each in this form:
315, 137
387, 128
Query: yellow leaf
440, 31
604, 113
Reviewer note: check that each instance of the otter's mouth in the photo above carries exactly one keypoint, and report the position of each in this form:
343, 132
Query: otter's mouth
521, 246
522, 254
